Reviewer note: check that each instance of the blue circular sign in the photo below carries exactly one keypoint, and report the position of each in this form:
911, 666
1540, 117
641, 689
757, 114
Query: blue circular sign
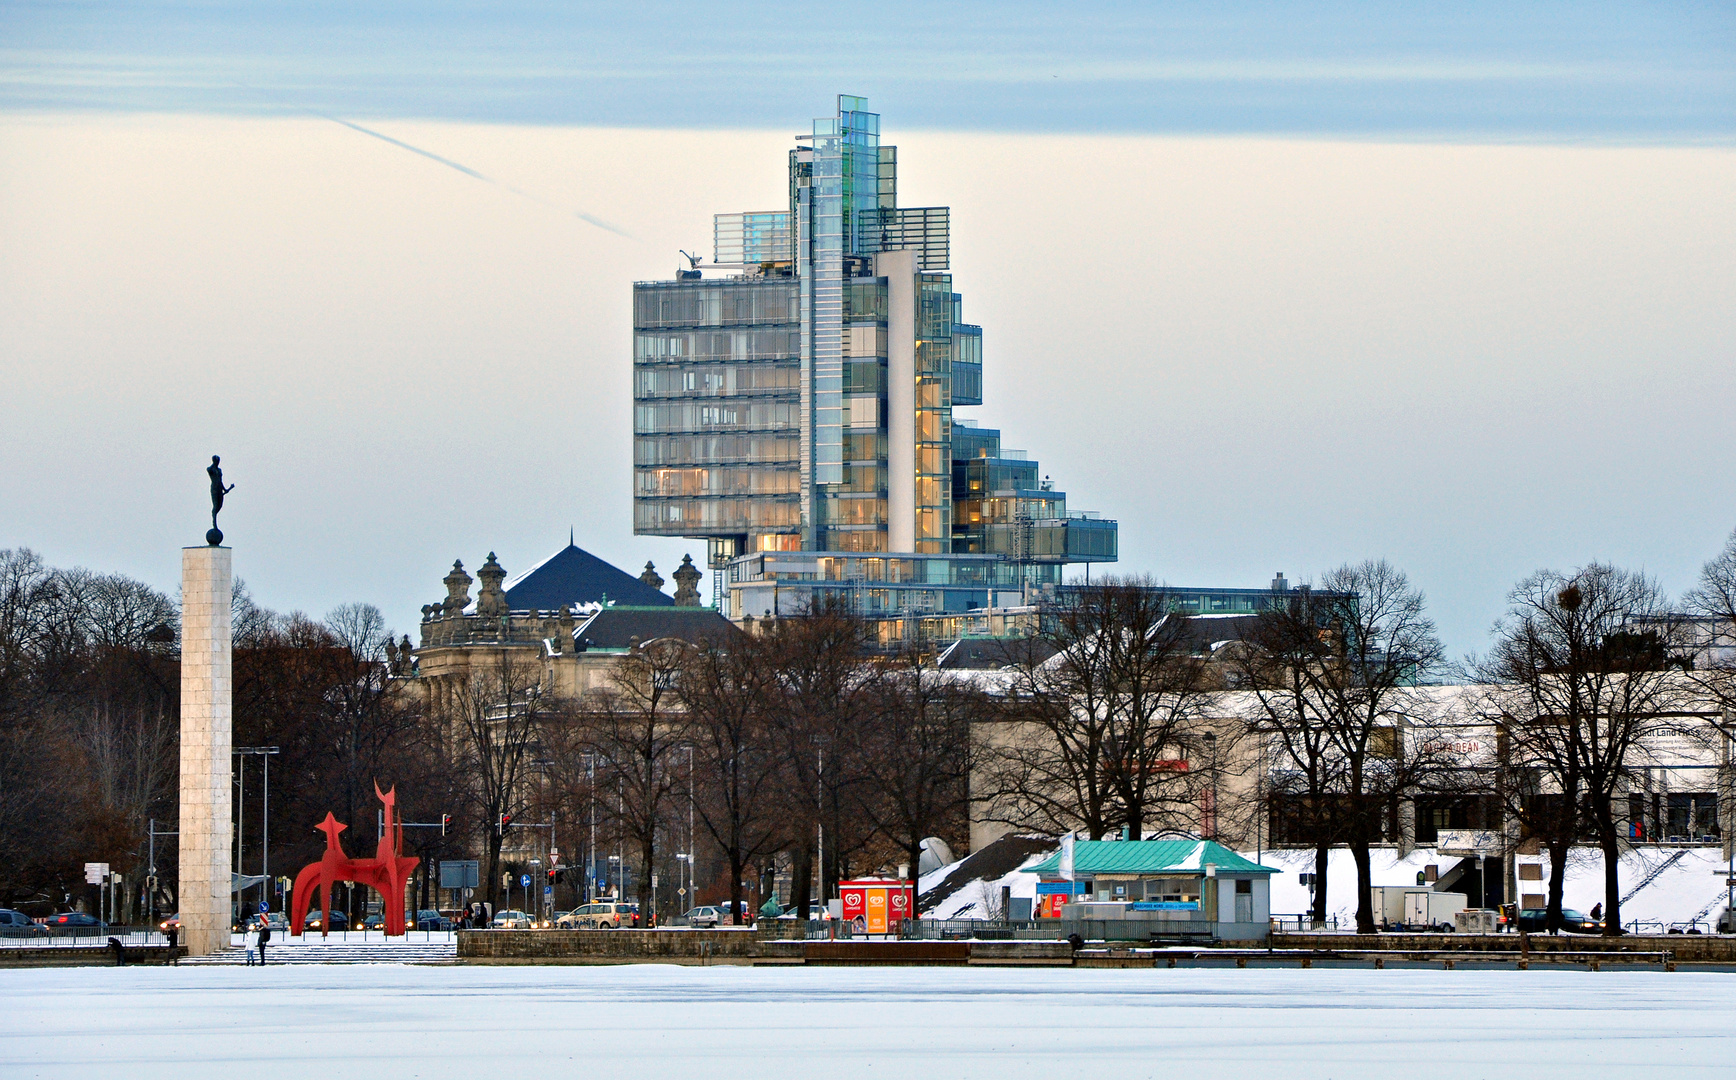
524, 879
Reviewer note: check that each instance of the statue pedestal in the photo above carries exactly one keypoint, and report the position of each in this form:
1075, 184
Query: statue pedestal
207, 734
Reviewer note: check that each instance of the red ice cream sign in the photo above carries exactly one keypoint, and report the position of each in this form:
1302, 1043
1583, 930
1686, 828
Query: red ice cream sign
876, 905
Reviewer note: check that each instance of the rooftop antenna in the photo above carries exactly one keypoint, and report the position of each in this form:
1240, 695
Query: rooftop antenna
693, 261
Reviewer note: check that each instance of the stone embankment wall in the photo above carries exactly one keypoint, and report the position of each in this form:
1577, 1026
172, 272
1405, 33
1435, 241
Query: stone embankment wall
701, 947
1690, 948
85, 956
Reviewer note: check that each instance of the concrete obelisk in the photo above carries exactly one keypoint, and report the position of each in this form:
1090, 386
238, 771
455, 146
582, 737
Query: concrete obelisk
207, 833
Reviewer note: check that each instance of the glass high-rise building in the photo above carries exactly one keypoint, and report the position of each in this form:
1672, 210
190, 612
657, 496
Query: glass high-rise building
794, 404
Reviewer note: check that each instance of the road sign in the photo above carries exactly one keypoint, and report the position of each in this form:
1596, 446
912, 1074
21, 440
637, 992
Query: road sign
681, 891
460, 873
524, 881
264, 908
94, 872
548, 890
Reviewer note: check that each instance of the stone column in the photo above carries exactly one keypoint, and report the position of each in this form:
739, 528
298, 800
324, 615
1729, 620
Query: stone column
207, 833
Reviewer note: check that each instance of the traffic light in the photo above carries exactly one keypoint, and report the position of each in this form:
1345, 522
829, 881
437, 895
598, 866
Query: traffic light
445, 823
505, 821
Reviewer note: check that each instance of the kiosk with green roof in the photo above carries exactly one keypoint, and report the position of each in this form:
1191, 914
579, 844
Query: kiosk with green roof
1143, 889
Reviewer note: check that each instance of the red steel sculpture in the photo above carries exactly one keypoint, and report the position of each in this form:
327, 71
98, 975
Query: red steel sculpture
385, 873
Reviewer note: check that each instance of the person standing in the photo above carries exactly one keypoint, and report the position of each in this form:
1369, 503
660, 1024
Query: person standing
264, 936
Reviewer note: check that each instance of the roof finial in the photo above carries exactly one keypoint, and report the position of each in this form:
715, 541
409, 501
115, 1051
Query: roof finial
570, 537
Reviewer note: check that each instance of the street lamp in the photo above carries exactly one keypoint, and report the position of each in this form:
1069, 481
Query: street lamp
1211, 739
264, 753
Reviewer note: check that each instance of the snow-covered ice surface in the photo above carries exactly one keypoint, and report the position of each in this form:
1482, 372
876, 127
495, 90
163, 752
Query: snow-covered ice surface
390, 1020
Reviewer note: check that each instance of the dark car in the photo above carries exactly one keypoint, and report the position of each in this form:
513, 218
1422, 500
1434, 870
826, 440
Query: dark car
18, 924
1534, 920
277, 920
429, 919
340, 921
75, 924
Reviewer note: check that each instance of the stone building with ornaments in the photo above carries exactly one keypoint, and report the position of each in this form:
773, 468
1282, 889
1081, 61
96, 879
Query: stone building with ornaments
564, 624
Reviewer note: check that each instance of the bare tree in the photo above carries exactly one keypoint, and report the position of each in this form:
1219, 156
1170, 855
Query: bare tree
1584, 695
817, 707
723, 689
1281, 647
633, 731
496, 715
914, 755
1337, 696
1101, 713
1714, 598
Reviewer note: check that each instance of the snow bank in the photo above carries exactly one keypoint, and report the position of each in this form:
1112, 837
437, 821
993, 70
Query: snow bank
1687, 882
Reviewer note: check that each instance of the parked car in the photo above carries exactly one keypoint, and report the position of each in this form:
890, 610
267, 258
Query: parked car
18, 924
510, 920
277, 920
601, 916
76, 924
1534, 920
374, 922
340, 921
429, 919
706, 916
172, 921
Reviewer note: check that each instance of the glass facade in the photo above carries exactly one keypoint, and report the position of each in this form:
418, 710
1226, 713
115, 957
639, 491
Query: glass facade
716, 409
765, 403
753, 238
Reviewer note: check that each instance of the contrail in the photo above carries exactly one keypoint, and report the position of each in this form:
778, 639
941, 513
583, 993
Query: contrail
467, 171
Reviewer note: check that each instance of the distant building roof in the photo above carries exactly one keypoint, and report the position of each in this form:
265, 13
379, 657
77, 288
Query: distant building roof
1149, 857
992, 654
617, 627
574, 576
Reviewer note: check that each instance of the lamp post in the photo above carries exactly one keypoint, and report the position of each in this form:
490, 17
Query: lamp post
264, 753
1211, 739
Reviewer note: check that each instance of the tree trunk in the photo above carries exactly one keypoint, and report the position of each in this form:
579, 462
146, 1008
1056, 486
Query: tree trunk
1364, 894
801, 887
1610, 842
647, 855
1322, 858
736, 865
491, 892
1557, 882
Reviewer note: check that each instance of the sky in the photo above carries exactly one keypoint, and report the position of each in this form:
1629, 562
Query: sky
1275, 286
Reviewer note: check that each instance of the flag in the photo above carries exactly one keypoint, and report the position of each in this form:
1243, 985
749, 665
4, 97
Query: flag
1067, 857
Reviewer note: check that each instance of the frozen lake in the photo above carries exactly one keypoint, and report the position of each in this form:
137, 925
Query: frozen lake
149, 1023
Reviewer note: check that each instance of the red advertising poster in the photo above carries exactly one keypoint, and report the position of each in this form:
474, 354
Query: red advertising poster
876, 905
876, 910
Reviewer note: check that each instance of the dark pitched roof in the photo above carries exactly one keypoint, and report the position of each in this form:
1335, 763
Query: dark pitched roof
616, 627
575, 576
992, 654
